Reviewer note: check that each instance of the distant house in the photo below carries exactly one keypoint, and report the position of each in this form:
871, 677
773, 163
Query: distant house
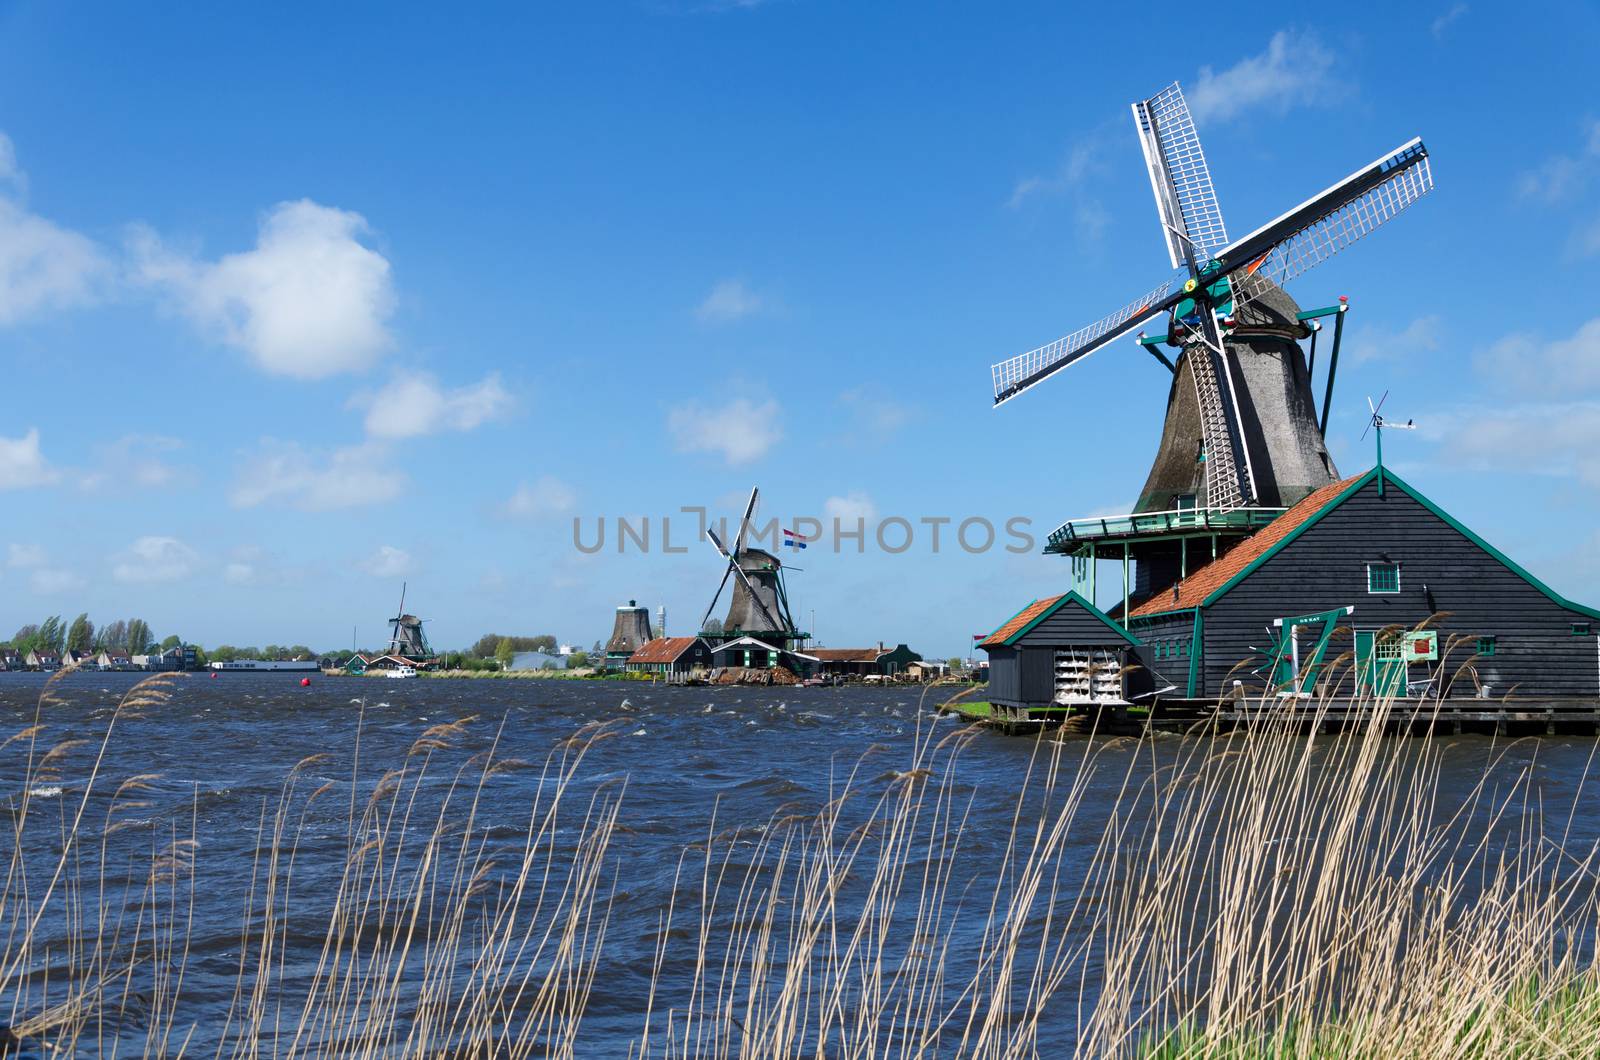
82, 659
927, 669
167, 659
671, 655
114, 660
13, 660
864, 662
752, 654
360, 664
43, 660
537, 660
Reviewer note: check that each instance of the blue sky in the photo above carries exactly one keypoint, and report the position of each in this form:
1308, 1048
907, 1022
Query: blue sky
297, 304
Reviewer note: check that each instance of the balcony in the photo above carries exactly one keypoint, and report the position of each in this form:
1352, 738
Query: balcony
1181, 522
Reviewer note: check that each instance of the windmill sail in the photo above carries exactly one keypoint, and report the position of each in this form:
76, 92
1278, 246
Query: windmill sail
1191, 219
1016, 374
1325, 224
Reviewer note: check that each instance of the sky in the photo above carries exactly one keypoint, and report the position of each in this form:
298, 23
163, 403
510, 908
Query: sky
301, 303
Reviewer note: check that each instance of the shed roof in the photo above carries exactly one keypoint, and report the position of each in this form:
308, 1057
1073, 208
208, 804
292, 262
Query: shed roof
663, 649
1193, 590
1039, 610
867, 655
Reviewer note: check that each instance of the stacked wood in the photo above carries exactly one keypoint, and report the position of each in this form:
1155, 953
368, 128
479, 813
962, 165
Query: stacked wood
739, 675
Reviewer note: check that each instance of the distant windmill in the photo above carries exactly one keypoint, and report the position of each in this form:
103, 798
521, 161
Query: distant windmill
406, 638
760, 605
1241, 427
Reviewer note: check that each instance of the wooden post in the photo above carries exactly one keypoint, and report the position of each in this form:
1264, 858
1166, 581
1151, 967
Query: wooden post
1124, 581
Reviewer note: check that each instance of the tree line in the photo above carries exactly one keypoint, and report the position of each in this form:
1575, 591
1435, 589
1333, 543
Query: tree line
132, 636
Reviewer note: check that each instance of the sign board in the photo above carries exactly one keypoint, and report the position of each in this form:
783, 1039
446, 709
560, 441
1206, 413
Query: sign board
1422, 646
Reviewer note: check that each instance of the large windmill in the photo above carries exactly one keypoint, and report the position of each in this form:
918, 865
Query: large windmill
1242, 439
760, 604
406, 638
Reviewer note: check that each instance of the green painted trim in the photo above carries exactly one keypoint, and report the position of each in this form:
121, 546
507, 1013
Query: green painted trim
1514, 567
1195, 648
1067, 598
1313, 314
1160, 617
1390, 478
1255, 564
1153, 340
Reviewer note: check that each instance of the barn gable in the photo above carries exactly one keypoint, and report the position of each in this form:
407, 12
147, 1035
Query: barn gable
1379, 547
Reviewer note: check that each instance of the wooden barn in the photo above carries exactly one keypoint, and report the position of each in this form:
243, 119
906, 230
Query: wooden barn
1057, 654
752, 654
671, 655
1351, 572
865, 662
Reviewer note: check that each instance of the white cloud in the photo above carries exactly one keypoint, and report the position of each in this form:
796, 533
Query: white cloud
48, 581
413, 405
155, 559
1560, 438
1562, 178
134, 460
545, 496
1294, 70
285, 473
1082, 161
1446, 20
22, 463
388, 562
238, 572
730, 300
42, 265
26, 556
1567, 367
850, 509
1419, 336
311, 300
740, 431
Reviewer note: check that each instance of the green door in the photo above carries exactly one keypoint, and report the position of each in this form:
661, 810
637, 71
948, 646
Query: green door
1380, 663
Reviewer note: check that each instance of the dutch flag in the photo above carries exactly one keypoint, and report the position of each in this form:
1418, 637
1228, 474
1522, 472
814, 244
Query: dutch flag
793, 540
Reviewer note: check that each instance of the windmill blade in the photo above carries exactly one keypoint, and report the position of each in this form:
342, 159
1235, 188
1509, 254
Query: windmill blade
734, 568
1013, 376
1325, 224
716, 543
1191, 220
744, 522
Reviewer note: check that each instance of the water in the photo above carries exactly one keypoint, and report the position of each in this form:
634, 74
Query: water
223, 747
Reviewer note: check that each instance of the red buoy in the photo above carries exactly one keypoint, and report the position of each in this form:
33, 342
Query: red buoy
213, 675
305, 682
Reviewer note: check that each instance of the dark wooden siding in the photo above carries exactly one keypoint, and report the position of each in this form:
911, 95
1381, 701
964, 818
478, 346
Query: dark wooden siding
1005, 684
1073, 625
1168, 631
1441, 569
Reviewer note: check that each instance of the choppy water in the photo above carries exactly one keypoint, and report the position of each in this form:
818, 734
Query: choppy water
222, 748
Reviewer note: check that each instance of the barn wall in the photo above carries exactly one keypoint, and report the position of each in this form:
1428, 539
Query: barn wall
1165, 665
1440, 570
1039, 674
1005, 684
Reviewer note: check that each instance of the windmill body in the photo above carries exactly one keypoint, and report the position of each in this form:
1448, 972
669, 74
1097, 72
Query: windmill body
406, 638
1243, 438
759, 604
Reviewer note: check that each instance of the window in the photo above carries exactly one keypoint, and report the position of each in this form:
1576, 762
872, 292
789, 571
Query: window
1383, 577
1486, 645
1580, 629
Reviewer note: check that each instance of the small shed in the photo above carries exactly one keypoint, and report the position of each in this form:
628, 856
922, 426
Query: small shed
1057, 654
752, 654
671, 655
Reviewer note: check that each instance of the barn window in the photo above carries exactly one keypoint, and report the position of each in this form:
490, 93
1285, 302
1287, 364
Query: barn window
1580, 629
1383, 577
1486, 645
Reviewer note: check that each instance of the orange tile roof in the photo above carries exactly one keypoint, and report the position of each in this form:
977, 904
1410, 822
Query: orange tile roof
1193, 590
1017, 621
662, 650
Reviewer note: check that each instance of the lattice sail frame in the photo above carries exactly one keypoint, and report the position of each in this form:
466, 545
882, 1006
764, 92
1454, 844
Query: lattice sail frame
1179, 176
1008, 374
1334, 231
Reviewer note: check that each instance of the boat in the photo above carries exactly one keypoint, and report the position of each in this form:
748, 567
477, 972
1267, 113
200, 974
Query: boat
297, 666
401, 671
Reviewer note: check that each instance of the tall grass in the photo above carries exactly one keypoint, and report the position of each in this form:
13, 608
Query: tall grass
1270, 891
